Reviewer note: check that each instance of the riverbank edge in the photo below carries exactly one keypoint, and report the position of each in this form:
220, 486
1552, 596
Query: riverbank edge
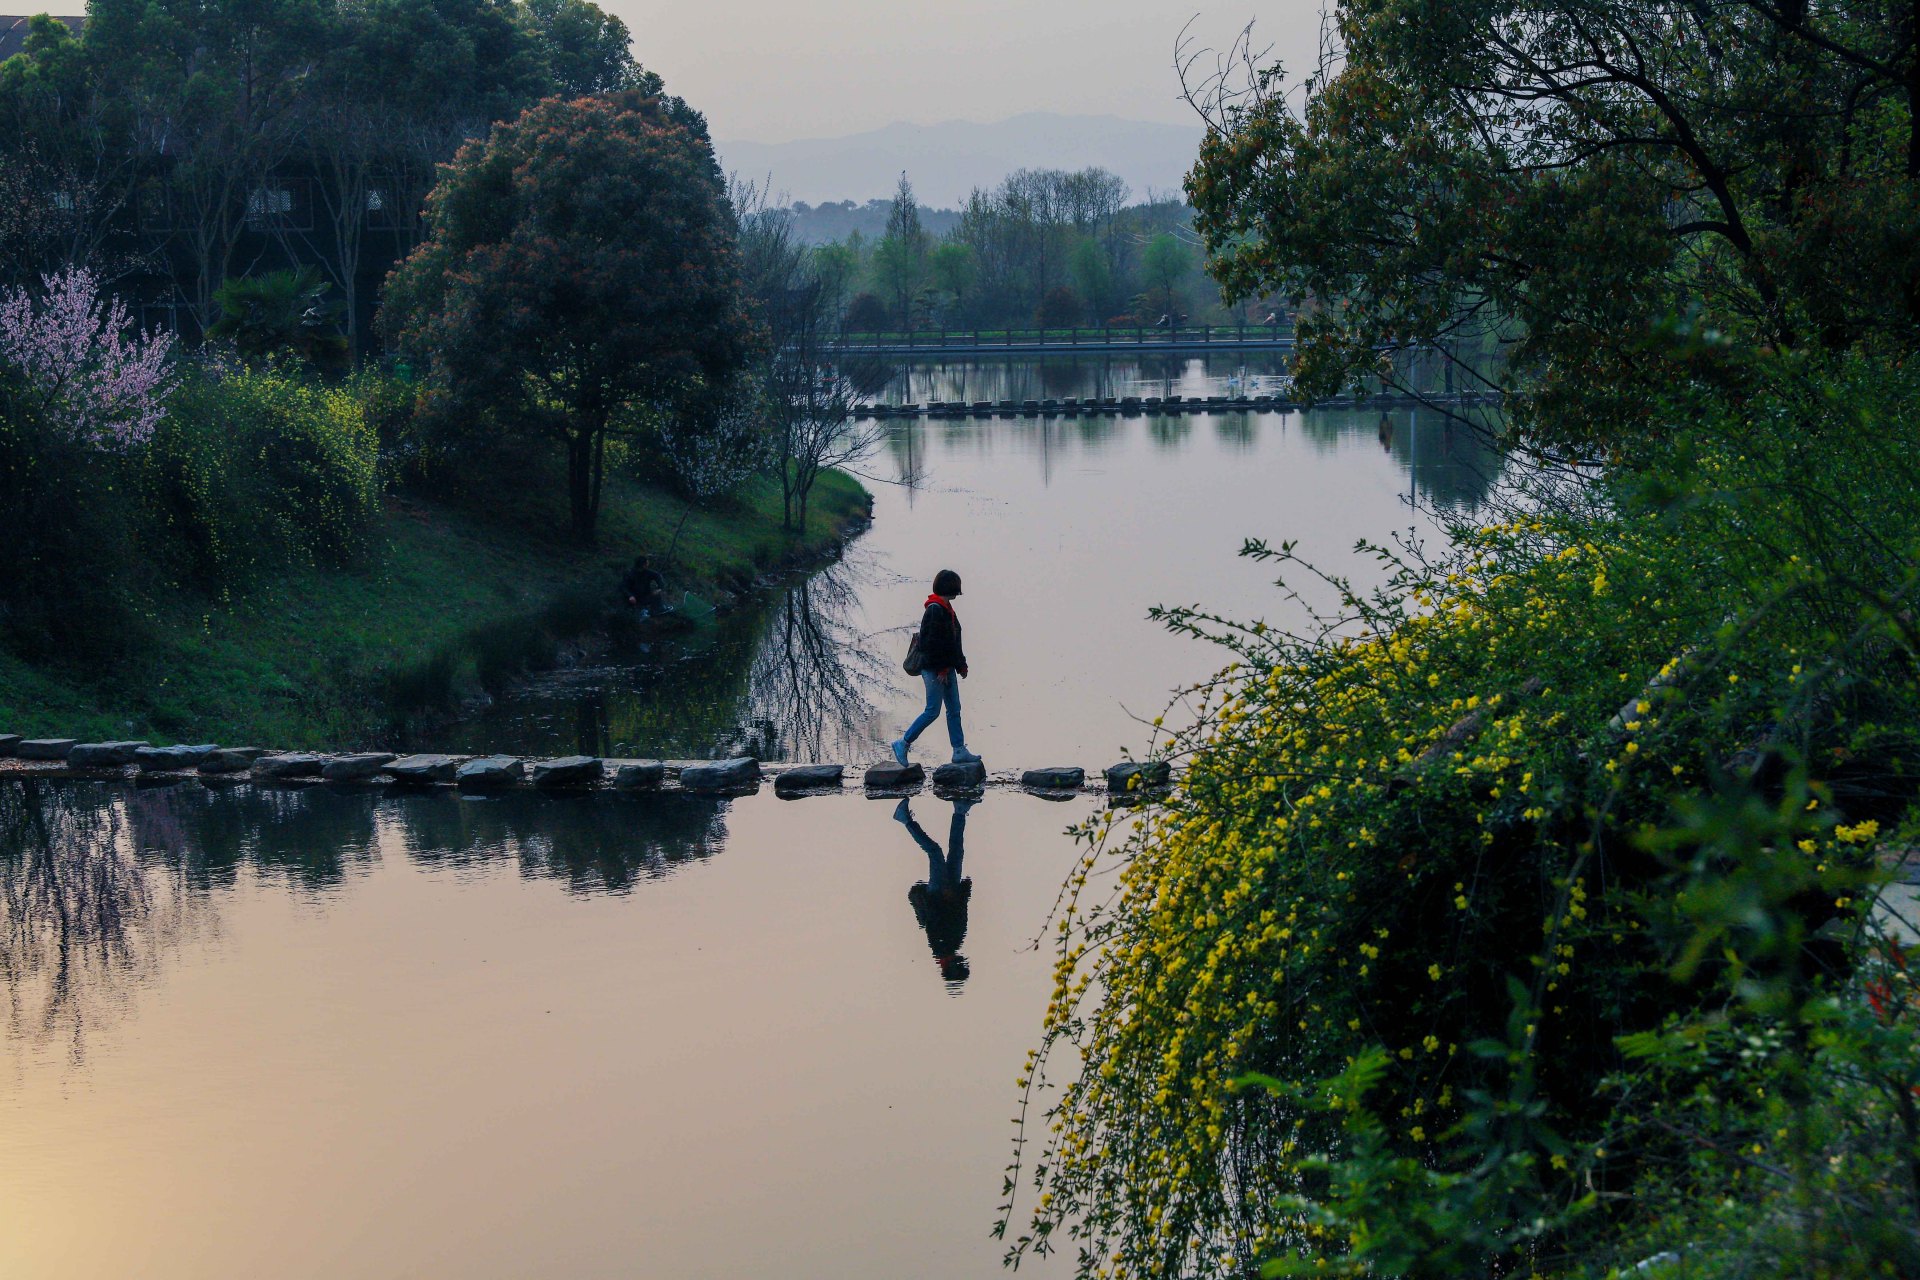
449, 602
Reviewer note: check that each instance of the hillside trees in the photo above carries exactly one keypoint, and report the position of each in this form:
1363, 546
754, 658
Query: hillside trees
580, 269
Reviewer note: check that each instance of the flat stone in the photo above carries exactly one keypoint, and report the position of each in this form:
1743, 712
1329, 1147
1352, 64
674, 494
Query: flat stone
642, 776
888, 775
567, 771
1138, 775
488, 772
103, 755
251, 753
180, 757
721, 775
961, 777
228, 760
289, 764
9, 742
355, 768
423, 770
809, 777
1056, 778
45, 748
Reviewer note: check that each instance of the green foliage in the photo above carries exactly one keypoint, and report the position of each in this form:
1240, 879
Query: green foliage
282, 314
444, 601
256, 470
1166, 260
1604, 775
581, 270
1560, 174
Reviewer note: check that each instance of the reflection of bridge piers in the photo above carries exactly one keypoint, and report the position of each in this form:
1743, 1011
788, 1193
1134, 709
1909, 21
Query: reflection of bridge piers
1136, 406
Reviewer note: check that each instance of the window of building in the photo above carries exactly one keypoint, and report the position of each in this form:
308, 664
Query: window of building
282, 204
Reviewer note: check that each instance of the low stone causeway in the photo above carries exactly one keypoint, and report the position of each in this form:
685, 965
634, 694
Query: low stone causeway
1123, 783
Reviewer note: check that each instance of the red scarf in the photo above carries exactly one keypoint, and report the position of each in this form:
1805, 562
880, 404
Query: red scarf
946, 604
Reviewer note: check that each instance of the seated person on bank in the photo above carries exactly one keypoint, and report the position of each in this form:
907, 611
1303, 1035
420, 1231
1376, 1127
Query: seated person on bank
644, 588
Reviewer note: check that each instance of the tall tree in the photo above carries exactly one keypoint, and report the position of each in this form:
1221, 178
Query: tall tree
900, 259
580, 271
1558, 173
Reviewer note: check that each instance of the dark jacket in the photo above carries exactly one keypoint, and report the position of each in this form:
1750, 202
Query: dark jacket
640, 584
943, 914
940, 639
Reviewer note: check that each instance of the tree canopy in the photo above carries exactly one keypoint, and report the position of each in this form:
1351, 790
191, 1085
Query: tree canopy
1561, 173
580, 268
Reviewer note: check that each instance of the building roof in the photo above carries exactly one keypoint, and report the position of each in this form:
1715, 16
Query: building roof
13, 32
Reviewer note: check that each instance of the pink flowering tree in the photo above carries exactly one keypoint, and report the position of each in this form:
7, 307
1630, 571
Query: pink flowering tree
99, 381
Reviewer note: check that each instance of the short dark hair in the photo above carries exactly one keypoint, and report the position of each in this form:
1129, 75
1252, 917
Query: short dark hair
946, 583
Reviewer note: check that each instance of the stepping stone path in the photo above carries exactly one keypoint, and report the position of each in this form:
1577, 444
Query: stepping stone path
721, 775
1127, 782
1138, 776
290, 764
423, 770
230, 760
356, 768
164, 759
567, 771
960, 777
889, 776
489, 772
807, 778
103, 755
643, 776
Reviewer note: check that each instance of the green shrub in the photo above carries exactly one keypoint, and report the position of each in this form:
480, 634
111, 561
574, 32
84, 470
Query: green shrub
255, 469
1464, 876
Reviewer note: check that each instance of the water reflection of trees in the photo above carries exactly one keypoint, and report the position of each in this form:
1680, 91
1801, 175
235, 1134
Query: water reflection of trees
595, 843
1449, 458
788, 677
99, 882
814, 674
82, 914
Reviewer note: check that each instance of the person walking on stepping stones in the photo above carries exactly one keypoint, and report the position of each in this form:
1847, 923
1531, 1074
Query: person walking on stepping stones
943, 666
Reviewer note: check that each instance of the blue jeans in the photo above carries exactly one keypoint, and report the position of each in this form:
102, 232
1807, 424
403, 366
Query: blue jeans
938, 691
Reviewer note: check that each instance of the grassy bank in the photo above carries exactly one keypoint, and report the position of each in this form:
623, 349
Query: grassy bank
445, 599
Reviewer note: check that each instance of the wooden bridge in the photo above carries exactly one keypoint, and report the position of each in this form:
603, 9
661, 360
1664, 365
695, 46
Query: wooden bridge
960, 343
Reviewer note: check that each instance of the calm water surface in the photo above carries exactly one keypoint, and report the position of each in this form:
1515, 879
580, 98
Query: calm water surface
1065, 531
279, 1032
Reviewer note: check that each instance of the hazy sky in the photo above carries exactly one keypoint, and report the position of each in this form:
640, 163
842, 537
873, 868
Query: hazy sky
773, 70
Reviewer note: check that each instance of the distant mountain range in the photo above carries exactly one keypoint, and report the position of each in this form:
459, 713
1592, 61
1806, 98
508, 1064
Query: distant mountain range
946, 161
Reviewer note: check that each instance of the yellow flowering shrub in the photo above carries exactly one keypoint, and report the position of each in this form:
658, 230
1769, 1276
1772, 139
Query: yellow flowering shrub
1439, 849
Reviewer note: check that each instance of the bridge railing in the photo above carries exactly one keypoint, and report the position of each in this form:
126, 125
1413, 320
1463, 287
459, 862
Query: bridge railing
1072, 336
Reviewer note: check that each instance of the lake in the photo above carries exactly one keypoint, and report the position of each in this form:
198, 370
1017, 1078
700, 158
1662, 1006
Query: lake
316, 1032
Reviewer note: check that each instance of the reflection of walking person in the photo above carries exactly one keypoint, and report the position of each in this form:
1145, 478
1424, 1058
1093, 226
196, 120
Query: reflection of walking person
944, 665
940, 902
